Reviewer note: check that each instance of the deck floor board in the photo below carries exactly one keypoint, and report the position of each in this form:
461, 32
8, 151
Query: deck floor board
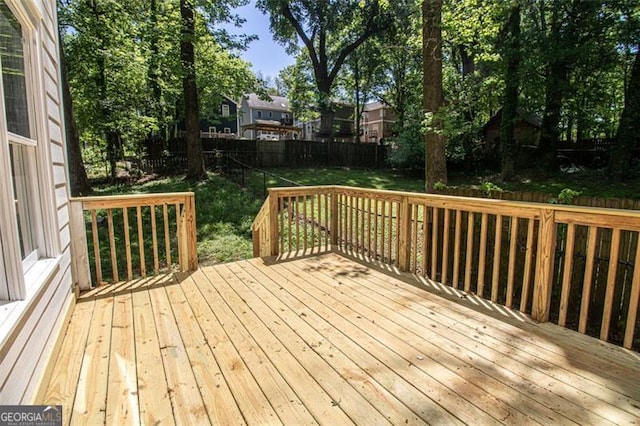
327, 339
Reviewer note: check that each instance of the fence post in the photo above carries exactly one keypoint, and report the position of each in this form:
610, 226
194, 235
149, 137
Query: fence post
404, 240
334, 217
544, 266
273, 222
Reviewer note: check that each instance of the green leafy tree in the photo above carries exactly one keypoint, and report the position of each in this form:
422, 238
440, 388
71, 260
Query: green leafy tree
330, 33
629, 129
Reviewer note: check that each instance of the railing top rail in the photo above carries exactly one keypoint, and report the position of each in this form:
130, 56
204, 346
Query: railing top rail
262, 214
128, 200
501, 204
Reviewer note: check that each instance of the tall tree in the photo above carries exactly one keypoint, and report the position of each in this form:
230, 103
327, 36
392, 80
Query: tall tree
195, 157
435, 157
512, 84
330, 32
78, 180
628, 136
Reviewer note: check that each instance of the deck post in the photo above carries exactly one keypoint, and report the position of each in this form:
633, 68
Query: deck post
334, 217
191, 234
273, 222
404, 240
80, 252
544, 266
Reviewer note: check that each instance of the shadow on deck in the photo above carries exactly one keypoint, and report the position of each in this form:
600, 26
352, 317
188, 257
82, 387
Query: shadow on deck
327, 339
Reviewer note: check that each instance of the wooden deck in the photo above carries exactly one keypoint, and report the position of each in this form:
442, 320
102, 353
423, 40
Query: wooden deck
329, 340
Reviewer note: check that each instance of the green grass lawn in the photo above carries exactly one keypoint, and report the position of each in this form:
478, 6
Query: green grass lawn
224, 213
590, 183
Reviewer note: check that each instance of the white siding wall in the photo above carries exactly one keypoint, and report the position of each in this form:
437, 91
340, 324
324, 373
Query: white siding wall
30, 344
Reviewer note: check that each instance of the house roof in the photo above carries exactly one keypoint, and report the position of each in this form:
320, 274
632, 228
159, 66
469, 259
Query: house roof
277, 103
532, 119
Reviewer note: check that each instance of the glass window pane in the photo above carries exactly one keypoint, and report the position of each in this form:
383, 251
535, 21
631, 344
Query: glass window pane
13, 73
23, 198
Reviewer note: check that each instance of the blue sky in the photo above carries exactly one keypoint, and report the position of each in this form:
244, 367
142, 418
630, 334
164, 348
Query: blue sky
264, 54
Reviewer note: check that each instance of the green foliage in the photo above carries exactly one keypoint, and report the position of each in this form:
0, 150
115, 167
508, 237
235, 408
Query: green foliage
566, 196
125, 71
489, 187
439, 186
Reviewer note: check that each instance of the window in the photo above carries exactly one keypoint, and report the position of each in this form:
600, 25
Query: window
227, 130
259, 114
212, 130
225, 110
270, 114
22, 229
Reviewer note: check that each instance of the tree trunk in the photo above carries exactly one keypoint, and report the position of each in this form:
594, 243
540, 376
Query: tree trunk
510, 105
435, 156
78, 180
195, 157
550, 132
629, 128
356, 78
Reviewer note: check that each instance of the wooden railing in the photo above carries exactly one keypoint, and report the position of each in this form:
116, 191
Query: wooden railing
132, 236
578, 267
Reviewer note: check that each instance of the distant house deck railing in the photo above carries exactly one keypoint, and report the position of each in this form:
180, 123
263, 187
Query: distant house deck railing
132, 236
578, 267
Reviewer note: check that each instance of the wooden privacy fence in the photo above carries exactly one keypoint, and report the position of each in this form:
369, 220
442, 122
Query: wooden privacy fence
132, 236
578, 267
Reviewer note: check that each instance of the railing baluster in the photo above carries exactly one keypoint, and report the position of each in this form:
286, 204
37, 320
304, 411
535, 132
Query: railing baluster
289, 227
382, 230
469, 256
143, 267
425, 240
445, 246
611, 284
390, 232
588, 279
154, 237
376, 251
456, 249
497, 251
362, 227
434, 244
483, 254
526, 279
96, 246
167, 234
633, 300
112, 247
513, 245
566, 274
414, 234
281, 213
127, 242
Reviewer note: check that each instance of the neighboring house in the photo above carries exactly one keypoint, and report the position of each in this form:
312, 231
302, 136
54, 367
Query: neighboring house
226, 121
266, 119
377, 122
36, 286
526, 130
223, 122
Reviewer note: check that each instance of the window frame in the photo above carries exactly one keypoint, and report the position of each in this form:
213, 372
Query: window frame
13, 282
226, 110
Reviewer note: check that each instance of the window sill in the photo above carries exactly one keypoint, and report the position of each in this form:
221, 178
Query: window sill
13, 313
